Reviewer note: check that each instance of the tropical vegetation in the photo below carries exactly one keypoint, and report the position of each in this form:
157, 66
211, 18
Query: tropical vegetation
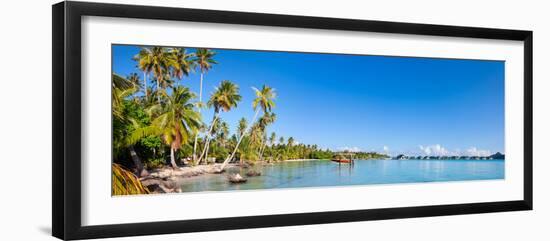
125, 182
158, 120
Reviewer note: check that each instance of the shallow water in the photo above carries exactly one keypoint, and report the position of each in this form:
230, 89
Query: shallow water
327, 173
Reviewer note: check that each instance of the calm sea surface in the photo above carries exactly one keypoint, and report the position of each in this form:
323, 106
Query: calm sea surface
328, 173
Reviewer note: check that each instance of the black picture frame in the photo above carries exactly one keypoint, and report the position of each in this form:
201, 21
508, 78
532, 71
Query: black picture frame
66, 129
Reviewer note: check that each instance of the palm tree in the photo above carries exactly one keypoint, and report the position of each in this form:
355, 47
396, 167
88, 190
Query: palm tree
150, 99
272, 139
263, 144
223, 134
281, 140
214, 130
241, 127
176, 120
167, 82
134, 79
290, 142
225, 97
184, 63
263, 101
267, 119
256, 135
204, 60
121, 89
144, 59
161, 61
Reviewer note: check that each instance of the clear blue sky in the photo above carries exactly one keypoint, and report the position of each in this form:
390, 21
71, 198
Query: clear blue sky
386, 104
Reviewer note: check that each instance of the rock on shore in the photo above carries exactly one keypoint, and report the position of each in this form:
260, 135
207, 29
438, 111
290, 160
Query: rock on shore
163, 180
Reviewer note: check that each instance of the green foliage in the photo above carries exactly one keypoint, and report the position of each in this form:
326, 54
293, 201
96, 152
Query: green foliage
225, 97
151, 142
241, 128
218, 151
134, 117
369, 155
264, 98
175, 120
205, 59
157, 120
183, 63
185, 150
125, 182
291, 150
247, 150
155, 163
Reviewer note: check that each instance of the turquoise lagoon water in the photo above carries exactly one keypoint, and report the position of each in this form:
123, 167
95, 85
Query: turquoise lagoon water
319, 173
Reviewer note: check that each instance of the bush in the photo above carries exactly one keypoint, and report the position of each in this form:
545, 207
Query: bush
155, 163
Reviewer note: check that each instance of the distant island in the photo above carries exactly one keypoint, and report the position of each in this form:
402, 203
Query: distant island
496, 156
357, 155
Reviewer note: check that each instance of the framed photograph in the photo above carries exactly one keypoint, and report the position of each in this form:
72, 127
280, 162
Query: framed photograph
171, 120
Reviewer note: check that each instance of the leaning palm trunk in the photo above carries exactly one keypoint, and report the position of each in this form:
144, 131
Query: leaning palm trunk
262, 149
206, 155
230, 157
197, 135
140, 171
207, 141
195, 148
173, 158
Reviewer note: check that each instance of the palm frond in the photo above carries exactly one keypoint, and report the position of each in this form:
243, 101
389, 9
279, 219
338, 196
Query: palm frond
124, 182
140, 133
